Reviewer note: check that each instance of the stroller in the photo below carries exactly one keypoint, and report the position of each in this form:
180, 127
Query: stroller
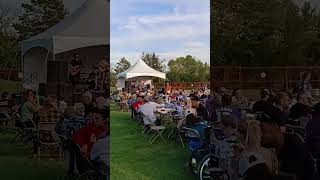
80, 167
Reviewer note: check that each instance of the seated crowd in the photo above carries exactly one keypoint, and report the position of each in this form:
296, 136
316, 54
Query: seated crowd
276, 136
85, 125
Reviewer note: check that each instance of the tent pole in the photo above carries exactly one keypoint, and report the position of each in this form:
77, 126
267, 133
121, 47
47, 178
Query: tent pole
14, 61
43, 68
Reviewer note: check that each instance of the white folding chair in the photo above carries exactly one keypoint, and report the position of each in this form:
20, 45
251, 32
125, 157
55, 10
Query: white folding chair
158, 130
47, 127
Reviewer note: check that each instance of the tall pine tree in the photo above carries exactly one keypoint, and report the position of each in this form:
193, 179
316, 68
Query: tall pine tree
153, 60
38, 16
122, 65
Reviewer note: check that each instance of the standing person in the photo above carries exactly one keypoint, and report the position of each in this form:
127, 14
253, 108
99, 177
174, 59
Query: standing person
28, 109
124, 101
74, 69
102, 74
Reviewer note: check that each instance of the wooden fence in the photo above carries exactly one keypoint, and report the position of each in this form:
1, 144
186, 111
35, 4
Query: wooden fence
5, 73
184, 85
261, 77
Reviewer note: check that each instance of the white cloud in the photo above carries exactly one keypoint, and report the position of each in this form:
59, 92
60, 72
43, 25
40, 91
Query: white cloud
183, 28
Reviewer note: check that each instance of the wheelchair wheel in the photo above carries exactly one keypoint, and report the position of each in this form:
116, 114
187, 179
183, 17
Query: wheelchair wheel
195, 158
209, 169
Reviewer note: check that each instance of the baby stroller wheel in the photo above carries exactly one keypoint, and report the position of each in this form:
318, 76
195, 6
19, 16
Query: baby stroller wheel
209, 169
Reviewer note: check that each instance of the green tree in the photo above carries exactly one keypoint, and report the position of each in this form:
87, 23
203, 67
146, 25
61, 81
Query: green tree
153, 60
262, 33
113, 79
38, 16
8, 42
122, 65
8, 51
188, 69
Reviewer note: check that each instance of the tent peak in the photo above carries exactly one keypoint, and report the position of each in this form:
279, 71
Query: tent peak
140, 68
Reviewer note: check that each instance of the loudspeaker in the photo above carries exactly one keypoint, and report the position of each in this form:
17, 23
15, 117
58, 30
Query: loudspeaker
57, 71
43, 89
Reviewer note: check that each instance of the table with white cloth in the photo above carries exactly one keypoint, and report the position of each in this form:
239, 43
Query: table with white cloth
166, 118
163, 110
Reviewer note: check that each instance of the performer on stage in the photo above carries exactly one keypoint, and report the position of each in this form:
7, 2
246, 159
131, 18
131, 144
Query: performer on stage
102, 80
74, 70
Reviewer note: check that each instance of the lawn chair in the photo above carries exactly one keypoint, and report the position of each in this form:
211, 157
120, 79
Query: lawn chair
25, 134
180, 130
48, 129
168, 121
158, 130
5, 116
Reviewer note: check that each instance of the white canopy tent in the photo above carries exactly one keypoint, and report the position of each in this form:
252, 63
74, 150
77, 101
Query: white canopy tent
87, 26
138, 70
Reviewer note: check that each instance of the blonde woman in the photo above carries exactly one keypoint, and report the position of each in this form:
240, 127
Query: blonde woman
253, 146
189, 108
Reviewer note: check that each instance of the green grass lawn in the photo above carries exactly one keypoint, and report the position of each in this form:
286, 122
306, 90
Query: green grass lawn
132, 157
16, 162
9, 86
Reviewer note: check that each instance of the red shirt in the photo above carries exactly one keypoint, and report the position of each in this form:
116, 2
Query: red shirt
137, 105
88, 136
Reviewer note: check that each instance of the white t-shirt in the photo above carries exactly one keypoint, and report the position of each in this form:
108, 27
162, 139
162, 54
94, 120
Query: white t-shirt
100, 150
148, 110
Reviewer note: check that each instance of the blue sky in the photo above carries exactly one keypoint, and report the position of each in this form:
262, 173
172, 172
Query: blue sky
170, 28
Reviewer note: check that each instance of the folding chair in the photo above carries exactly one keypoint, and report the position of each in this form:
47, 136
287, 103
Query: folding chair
25, 134
223, 112
48, 128
5, 116
158, 130
168, 121
180, 130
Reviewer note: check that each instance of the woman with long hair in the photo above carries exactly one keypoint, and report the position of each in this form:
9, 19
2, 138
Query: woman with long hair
253, 146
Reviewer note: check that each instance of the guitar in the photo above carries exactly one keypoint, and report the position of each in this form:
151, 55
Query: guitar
74, 70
